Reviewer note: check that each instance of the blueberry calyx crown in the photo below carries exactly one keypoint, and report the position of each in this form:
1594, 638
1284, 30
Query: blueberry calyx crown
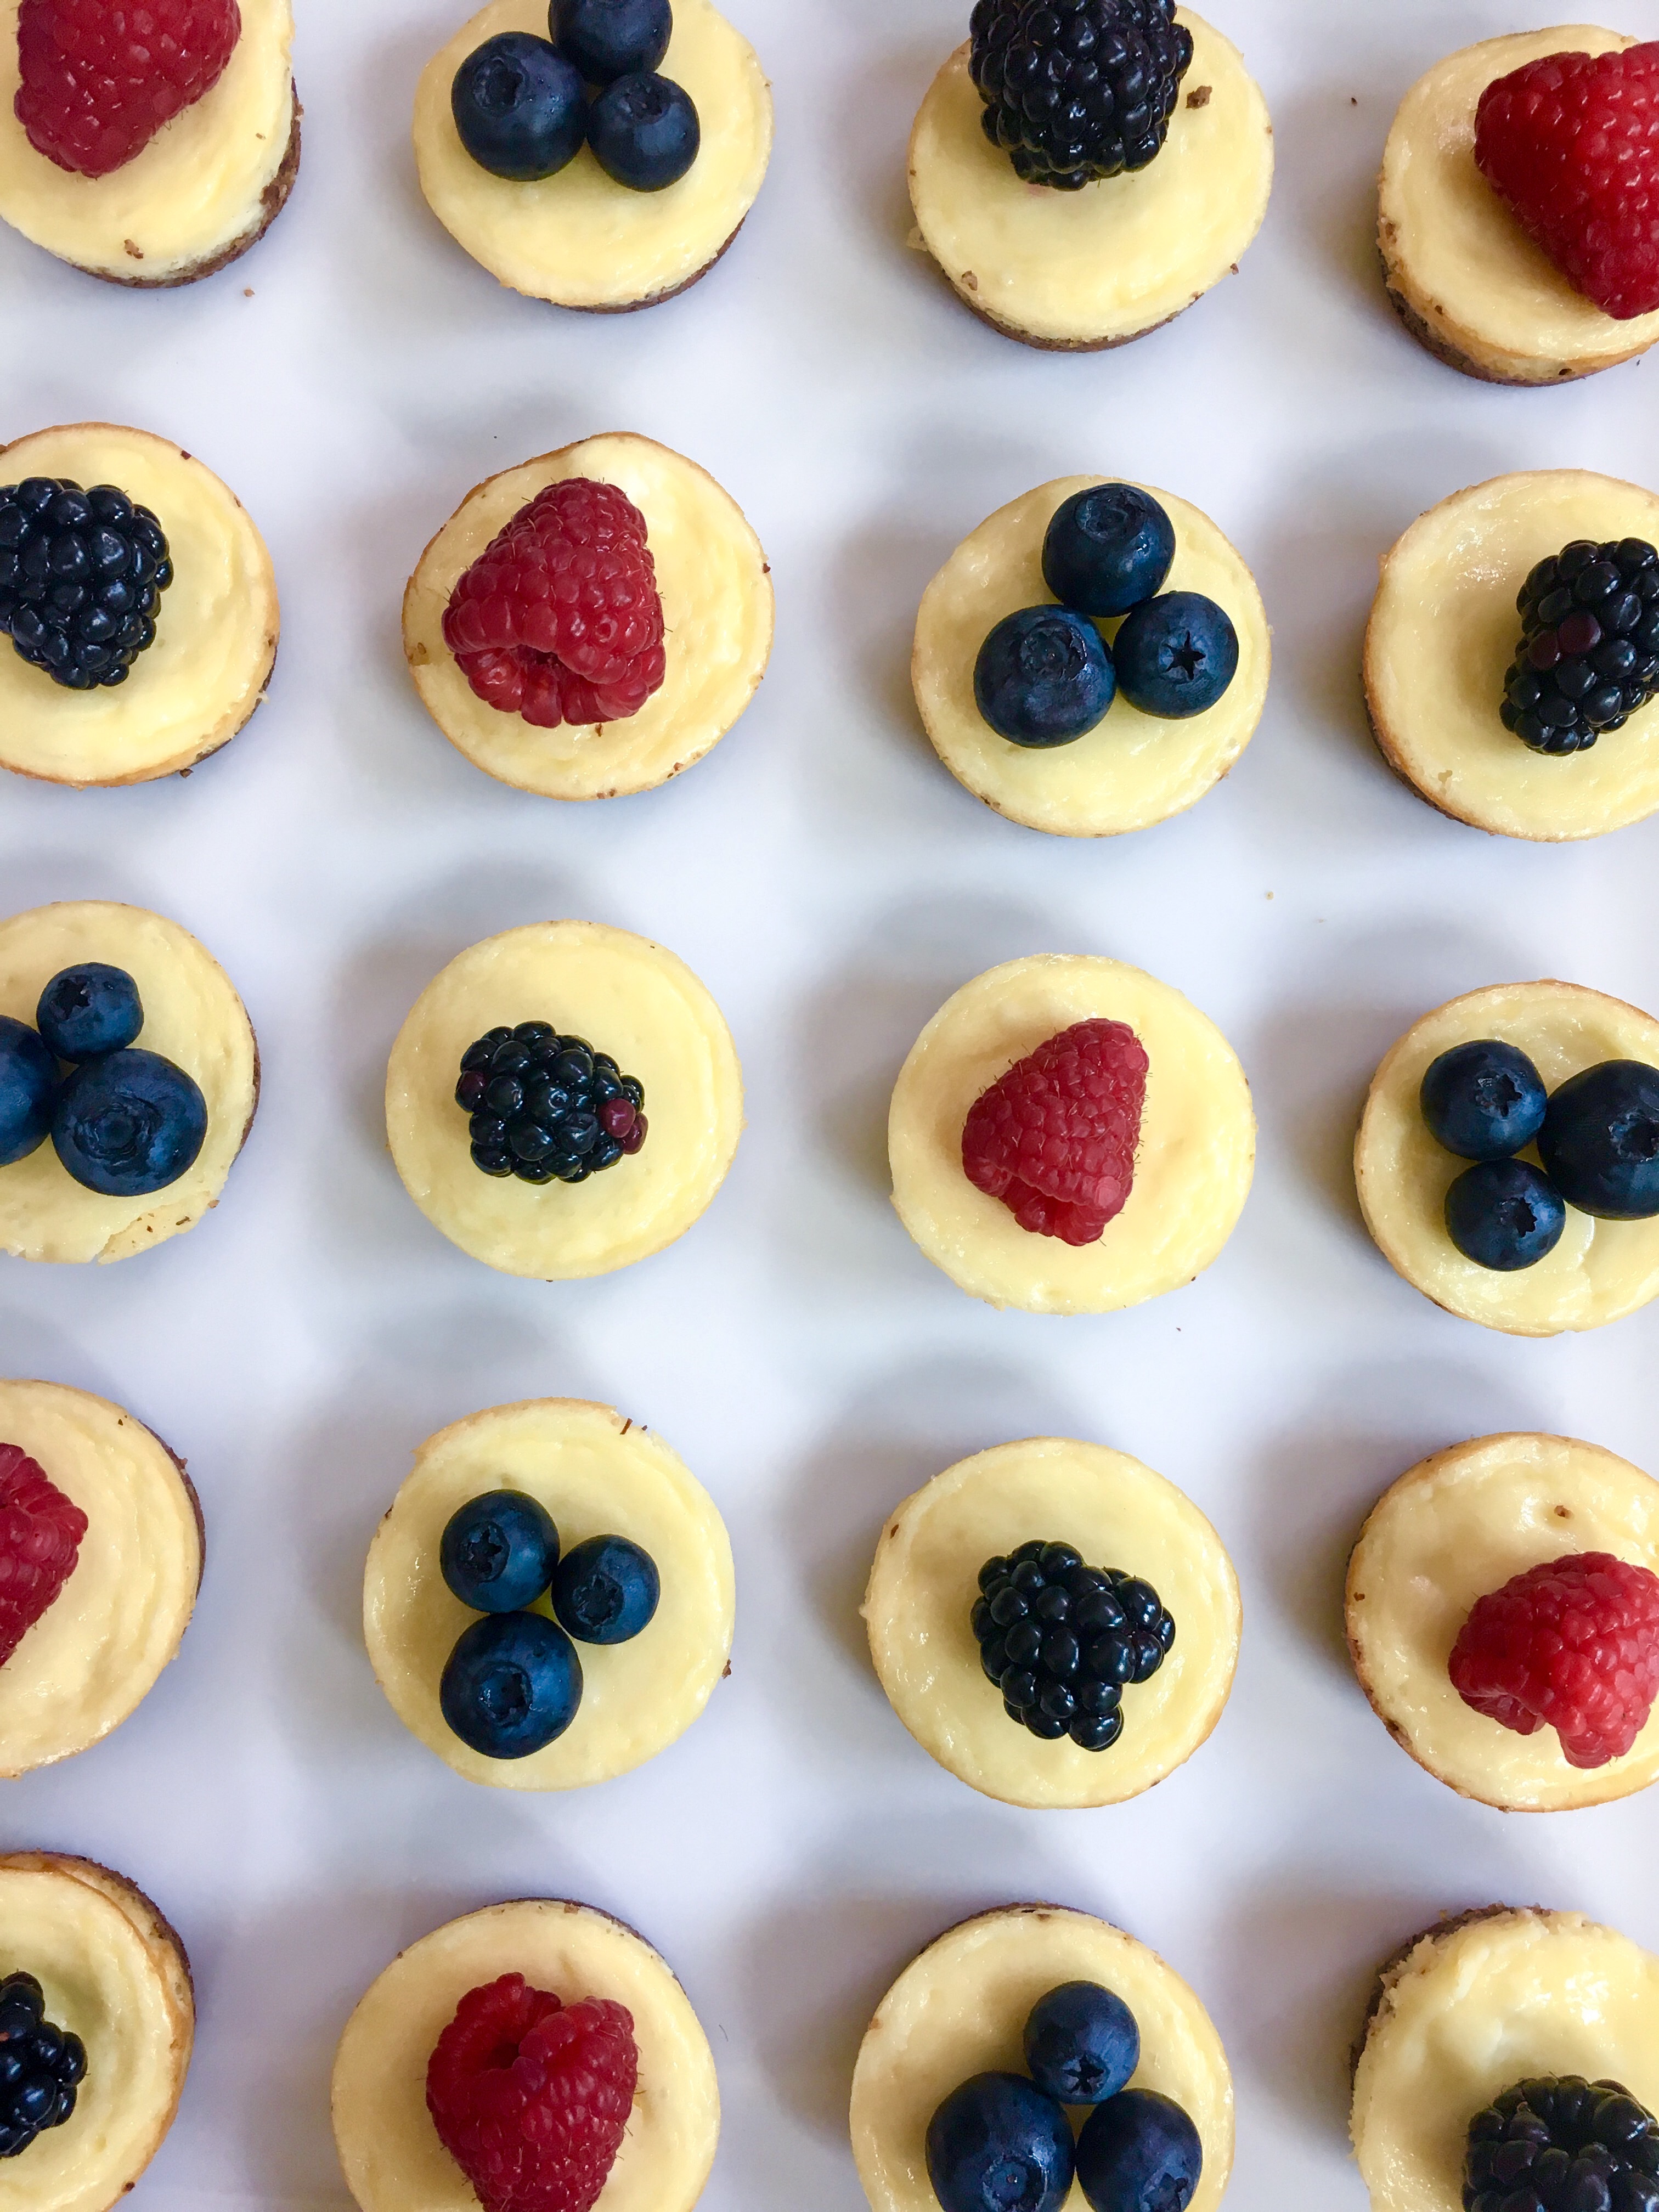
82, 575
548, 1107
41, 2067
1062, 1640
1559, 2142
1588, 654
1077, 90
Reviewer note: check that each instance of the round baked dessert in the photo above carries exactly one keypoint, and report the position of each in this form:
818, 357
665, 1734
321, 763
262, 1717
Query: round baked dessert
1507, 2026
146, 164
101, 1985
1054, 1623
1153, 1137
433, 2036
1462, 261
969, 2013
1534, 1258
1488, 621
688, 590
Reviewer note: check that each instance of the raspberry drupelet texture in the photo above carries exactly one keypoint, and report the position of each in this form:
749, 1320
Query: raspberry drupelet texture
98, 78
530, 2096
1588, 654
41, 1533
1075, 90
559, 618
1573, 1646
1055, 1138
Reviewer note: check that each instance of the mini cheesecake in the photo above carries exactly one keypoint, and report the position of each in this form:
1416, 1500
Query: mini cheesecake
192, 1017
207, 186
1116, 1513
115, 1974
1078, 271
1601, 1270
1454, 1529
1442, 636
217, 629
959, 2008
1193, 1170
1461, 272
1470, 2008
1133, 769
389, 2149
716, 589
578, 239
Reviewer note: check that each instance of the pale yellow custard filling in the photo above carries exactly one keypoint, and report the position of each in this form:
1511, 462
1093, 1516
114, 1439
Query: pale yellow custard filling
389, 2148
959, 2008
1133, 769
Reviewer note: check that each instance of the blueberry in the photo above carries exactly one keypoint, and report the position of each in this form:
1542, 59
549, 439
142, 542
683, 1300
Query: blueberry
519, 107
1107, 550
1044, 677
1139, 2153
1176, 655
1484, 1100
1081, 2043
1000, 2144
90, 1010
1600, 1140
608, 39
29, 1079
512, 1684
644, 132
498, 1552
605, 1590
1504, 1215
129, 1124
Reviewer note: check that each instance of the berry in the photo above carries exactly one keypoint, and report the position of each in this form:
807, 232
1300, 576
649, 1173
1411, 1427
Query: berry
1571, 142
1484, 1100
1044, 677
1600, 1140
1573, 1646
1078, 89
1054, 1139
512, 1684
1108, 549
129, 1124
1588, 654
606, 1591
98, 82
41, 1533
1176, 655
558, 619
645, 133
1082, 2044
1563, 2144
1000, 2144
498, 1552
544, 1106
41, 2068
1138, 2152
82, 575
28, 1084
1062, 1641
1504, 1215
530, 2096
88, 1011
608, 39
519, 108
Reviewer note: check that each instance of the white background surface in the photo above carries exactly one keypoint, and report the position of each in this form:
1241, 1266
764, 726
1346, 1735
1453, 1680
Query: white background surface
832, 884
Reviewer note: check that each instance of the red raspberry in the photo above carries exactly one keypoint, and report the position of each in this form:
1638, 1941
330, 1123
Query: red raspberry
1571, 1645
100, 78
40, 1533
559, 619
1055, 1139
1572, 143
530, 2096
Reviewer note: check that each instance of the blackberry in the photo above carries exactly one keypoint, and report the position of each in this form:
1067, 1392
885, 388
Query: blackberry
41, 2068
1062, 1641
82, 575
547, 1108
1560, 2143
1588, 656
1078, 89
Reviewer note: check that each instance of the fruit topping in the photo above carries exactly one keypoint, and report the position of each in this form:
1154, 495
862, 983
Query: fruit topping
41, 1533
129, 1124
1062, 1641
1504, 1215
1082, 2043
530, 2096
512, 1684
1108, 549
606, 1591
559, 618
98, 80
608, 39
41, 2068
1000, 2144
1054, 1139
1078, 89
82, 575
1560, 2144
521, 109
1044, 678
1176, 655
645, 133
1138, 2152
28, 1084
498, 1552
1600, 1140
1482, 1100
90, 1010
545, 1106
1589, 655
1572, 1644
1571, 142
